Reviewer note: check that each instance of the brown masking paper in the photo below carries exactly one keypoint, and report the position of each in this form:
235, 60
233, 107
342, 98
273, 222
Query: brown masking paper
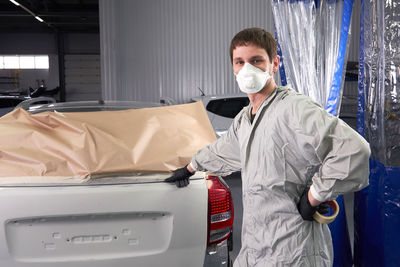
85, 144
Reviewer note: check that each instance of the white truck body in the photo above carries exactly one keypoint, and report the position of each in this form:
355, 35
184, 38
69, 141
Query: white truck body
113, 220
150, 223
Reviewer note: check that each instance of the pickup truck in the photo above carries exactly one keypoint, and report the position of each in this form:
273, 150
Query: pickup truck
119, 221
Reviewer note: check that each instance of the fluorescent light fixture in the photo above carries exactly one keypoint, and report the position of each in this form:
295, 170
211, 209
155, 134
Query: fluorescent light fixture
38, 18
27, 10
14, 2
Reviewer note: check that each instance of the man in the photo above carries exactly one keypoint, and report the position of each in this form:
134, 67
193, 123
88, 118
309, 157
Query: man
282, 142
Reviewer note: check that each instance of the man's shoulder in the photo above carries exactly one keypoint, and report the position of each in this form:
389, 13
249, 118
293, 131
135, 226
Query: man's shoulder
293, 106
292, 98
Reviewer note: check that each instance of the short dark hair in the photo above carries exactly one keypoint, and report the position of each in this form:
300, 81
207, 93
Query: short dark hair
255, 36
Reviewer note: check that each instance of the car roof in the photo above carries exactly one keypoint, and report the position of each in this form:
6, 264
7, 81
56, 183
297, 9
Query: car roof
213, 97
80, 106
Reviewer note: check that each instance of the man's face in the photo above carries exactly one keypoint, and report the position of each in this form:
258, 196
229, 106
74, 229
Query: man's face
253, 55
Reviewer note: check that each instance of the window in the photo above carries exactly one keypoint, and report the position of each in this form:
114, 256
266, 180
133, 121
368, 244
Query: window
24, 62
27, 62
11, 62
227, 107
41, 62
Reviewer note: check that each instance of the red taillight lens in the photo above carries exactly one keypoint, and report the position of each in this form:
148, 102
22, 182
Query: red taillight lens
220, 210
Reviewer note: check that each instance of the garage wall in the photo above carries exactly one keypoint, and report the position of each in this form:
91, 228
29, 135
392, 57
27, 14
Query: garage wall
350, 89
82, 77
157, 49
26, 78
82, 66
30, 44
82, 62
355, 32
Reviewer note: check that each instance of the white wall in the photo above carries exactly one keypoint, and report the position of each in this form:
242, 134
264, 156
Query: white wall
82, 77
157, 48
154, 49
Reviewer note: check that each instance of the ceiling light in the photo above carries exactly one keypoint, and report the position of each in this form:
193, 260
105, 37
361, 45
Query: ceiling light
38, 18
14, 2
29, 11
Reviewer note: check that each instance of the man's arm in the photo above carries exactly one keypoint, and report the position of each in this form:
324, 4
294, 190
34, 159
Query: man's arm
312, 200
190, 168
342, 153
221, 158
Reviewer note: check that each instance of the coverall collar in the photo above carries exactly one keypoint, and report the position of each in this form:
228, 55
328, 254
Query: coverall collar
266, 101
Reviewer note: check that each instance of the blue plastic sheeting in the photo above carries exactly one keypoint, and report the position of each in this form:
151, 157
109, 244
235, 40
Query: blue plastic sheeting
282, 73
340, 238
334, 93
377, 219
340, 234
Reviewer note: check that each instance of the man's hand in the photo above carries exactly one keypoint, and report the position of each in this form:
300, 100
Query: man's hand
307, 211
180, 177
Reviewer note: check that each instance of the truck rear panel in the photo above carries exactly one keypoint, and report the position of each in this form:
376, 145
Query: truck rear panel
118, 225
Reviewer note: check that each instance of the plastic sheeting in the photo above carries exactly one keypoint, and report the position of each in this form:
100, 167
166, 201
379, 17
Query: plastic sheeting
377, 208
381, 79
313, 37
313, 43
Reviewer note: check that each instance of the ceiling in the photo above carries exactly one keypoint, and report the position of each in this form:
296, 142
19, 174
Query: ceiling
61, 15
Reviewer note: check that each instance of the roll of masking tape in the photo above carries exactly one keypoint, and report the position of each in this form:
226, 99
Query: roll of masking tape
328, 219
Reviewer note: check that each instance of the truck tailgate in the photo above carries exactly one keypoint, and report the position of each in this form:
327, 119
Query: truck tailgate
147, 224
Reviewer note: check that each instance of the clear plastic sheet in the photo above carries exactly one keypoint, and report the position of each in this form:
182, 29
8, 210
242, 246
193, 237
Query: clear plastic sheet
313, 37
309, 34
377, 208
381, 80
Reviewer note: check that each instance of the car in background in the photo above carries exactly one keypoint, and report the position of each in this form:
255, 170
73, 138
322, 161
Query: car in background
221, 109
40, 95
10, 102
115, 221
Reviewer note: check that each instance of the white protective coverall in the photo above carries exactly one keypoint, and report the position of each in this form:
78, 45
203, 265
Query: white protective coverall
291, 141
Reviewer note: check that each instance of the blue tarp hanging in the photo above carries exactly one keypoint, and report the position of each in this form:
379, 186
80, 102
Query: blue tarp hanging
377, 219
339, 230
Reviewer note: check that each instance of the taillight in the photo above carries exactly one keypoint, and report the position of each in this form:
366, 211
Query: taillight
220, 210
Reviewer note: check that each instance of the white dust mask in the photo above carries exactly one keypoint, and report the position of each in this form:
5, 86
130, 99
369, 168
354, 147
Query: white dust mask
251, 79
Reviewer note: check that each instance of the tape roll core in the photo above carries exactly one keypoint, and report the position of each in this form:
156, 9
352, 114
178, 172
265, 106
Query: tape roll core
328, 219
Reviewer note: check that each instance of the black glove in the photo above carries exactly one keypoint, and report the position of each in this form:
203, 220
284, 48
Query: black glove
180, 177
307, 211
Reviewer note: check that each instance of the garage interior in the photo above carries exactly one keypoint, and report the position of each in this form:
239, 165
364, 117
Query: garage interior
152, 51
